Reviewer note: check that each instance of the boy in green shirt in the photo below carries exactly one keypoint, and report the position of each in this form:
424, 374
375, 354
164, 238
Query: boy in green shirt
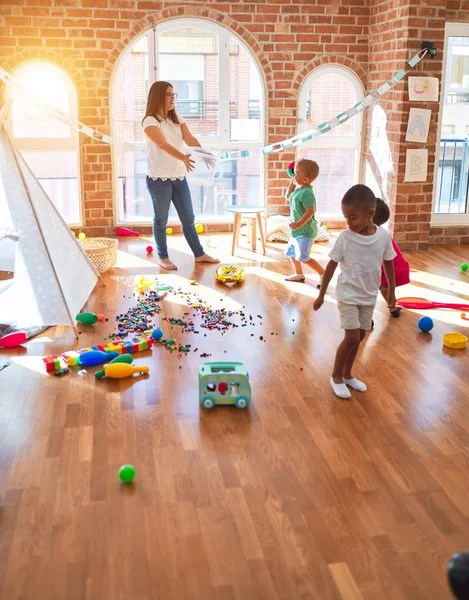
303, 224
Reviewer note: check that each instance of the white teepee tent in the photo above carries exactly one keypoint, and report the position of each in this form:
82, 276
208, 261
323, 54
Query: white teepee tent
53, 276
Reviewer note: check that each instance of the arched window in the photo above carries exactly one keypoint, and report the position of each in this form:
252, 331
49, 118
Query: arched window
49, 147
221, 97
327, 92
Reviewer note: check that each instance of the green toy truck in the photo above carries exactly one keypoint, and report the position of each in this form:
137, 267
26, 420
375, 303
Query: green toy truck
224, 383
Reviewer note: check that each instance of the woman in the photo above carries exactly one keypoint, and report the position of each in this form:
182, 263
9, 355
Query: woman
168, 166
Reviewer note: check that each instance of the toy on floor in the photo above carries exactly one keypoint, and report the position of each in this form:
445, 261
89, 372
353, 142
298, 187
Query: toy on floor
454, 340
122, 358
127, 473
458, 575
126, 231
142, 283
4, 364
425, 324
95, 357
199, 228
157, 334
229, 274
423, 304
121, 370
81, 235
464, 266
224, 383
70, 358
89, 318
149, 249
11, 340
169, 231
63, 371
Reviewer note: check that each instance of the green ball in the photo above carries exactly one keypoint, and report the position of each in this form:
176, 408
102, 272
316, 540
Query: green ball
127, 473
464, 267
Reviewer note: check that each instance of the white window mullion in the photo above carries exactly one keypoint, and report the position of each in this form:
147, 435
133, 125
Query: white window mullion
153, 55
224, 88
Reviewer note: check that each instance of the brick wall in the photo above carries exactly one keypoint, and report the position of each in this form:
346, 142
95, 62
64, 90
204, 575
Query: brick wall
289, 38
86, 38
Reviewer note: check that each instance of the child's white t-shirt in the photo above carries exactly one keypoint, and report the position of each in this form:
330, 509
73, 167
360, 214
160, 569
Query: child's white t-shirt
360, 257
162, 165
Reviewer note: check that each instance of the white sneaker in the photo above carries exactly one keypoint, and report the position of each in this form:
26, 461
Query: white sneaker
295, 277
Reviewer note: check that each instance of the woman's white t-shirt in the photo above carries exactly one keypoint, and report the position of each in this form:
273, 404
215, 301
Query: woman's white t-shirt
360, 258
162, 165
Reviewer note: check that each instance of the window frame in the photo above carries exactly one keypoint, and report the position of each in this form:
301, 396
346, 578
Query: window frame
220, 142
331, 140
445, 219
41, 143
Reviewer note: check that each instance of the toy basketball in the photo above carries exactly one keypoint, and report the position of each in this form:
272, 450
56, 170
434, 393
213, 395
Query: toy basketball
291, 169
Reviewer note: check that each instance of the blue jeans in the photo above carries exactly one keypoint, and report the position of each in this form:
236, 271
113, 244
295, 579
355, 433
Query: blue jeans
162, 193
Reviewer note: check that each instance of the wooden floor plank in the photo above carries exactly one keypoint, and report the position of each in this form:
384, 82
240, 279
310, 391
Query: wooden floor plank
300, 496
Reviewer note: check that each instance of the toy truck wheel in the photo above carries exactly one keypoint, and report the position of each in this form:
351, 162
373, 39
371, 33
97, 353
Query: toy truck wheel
208, 403
241, 402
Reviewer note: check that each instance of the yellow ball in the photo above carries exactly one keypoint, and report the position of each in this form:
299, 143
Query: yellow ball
199, 228
73, 233
81, 236
169, 231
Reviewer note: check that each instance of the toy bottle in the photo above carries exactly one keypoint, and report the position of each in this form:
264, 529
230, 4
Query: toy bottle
121, 370
12, 339
89, 318
123, 358
95, 357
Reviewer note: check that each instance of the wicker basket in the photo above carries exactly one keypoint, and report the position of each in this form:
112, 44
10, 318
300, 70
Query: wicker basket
101, 251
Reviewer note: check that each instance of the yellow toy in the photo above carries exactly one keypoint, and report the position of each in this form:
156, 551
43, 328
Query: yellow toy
230, 274
81, 236
199, 228
122, 370
169, 231
454, 340
142, 283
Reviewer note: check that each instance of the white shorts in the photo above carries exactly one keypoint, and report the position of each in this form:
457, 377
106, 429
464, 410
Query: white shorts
356, 317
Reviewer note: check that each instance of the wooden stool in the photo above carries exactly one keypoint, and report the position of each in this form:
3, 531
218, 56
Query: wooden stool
253, 216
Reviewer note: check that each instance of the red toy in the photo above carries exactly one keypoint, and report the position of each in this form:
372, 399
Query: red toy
13, 339
291, 169
423, 303
149, 249
126, 231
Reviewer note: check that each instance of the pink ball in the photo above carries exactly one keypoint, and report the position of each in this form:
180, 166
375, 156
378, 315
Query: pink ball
149, 249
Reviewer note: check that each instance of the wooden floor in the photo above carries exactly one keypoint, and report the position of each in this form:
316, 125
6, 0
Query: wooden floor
300, 496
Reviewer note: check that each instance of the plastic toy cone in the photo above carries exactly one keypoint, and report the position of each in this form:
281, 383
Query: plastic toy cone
122, 370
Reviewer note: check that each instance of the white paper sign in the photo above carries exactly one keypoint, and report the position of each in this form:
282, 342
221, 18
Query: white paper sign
416, 165
423, 89
418, 126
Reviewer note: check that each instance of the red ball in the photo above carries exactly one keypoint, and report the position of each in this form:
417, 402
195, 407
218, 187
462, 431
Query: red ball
149, 249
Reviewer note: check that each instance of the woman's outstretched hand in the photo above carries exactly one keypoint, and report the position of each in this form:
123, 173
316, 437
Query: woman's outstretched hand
209, 161
189, 162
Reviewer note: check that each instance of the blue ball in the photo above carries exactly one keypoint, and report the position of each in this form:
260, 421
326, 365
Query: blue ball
157, 334
425, 324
